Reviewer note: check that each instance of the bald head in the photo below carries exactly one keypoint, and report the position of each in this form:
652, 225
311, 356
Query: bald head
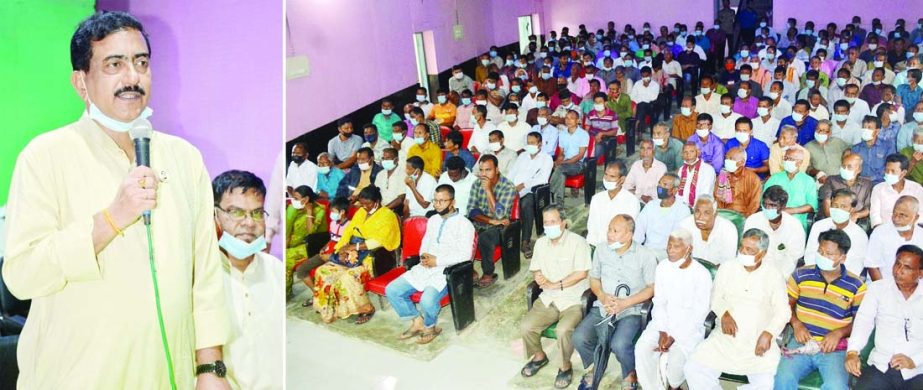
794, 154
737, 154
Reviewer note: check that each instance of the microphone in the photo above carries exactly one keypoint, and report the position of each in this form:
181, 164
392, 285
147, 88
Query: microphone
140, 133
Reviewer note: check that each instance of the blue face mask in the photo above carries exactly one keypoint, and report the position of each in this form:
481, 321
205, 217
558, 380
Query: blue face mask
466, 101
371, 138
824, 263
771, 214
662, 193
239, 249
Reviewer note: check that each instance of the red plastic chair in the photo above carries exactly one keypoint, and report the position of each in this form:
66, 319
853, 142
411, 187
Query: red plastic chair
444, 130
411, 239
466, 137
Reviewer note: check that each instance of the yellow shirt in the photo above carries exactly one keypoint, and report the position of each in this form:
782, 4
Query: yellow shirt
431, 155
443, 114
93, 323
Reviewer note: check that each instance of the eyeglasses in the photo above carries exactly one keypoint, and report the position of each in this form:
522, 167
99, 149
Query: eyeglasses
239, 214
118, 64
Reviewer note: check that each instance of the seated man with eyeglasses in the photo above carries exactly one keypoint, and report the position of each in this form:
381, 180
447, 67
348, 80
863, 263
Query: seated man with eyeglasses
894, 309
253, 282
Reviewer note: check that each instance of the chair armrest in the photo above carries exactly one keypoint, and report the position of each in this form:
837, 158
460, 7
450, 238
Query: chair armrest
532, 293
709, 324
411, 261
589, 299
646, 307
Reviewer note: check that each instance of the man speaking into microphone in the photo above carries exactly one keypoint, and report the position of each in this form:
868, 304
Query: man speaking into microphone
78, 248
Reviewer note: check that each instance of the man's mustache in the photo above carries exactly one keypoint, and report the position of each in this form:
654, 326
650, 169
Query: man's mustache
132, 88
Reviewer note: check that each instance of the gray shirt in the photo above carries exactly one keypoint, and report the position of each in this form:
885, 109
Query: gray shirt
461, 85
340, 150
633, 269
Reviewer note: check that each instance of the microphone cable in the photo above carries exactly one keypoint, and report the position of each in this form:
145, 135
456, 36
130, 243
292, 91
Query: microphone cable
163, 331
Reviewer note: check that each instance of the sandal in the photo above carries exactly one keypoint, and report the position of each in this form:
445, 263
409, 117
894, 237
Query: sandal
532, 367
487, 281
409, 333
429, 335
364, 317
308, 302
586, 381
564, 378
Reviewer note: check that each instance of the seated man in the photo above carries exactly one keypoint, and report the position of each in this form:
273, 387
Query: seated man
548, 131
661, 216
757, 152
328, 177
681, 303
443, 112
895, 361
301, 171
803, 123
447, 241
684, 123
514, 130
738, 188
489, 207
560, 268
603, 125
573, 142
253, 281
372, 141
505, 156
645, 173
713, 236
427, 150
707, 142
644, 95
896, 185
826, 152
453, 144
786, 235
419, 187
874, 149
622, 278
611, 201
457, 176
788, 136
391, 181
822, 317
696, 178
751, 307
765, 126
887, 237
363, 175
343, 148
841, 206
849, 178
801, 188
723, 127
532, 168
667, 149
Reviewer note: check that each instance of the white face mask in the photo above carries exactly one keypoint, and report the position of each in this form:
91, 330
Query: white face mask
542, 121
868, 134
903, 228
599, 107
702, 133
820, 137
773, 95
616, 245
686, 111
364, 166
495, 146
797, 116
610, 185
659, 142
510, 118
762, 111
239, 249
387, 164
109, 122
730, 165
531, 149
297, 205
847, 174
725, 109
553, 231
746, 260
742, 137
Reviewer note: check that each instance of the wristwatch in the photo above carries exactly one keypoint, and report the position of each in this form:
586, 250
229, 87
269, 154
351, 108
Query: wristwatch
217, 367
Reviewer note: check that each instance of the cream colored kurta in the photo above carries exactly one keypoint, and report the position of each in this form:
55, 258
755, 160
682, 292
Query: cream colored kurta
254, 354
758, 302
93, 322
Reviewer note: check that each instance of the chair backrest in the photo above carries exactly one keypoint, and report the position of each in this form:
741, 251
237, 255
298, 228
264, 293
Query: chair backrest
444, 130
514, 213
591, 148
712, 269
466, 137
9, 304
414, 229
736, 218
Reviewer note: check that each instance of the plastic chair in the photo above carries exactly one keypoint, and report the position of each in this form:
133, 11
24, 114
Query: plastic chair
587, 179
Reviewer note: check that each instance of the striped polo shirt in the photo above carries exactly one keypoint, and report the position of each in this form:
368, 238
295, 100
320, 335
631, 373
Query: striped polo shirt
823, 306
598, 122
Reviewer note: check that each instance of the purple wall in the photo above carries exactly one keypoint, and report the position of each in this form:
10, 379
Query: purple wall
841, 12
597, 13
355, 63
217, 73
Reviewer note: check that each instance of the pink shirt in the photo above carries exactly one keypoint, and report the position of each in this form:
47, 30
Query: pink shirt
641, 182
605, 121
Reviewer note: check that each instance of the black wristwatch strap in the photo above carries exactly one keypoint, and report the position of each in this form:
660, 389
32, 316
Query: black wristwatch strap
217, 368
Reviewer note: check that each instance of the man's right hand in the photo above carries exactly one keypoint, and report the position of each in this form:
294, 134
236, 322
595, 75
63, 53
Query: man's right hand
132, 199
801, 332
728, 325
853, 363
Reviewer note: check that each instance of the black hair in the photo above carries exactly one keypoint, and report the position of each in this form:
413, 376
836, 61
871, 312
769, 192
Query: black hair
454, 163
744, 119
838, 237
306, 192
913, 250
231, 180
416, 162
898, 158
343, 121
446, 188
498, 133
776, 194
491, 158
366, 151
340, 203
371, 193
705, 117
96, 28
623, 169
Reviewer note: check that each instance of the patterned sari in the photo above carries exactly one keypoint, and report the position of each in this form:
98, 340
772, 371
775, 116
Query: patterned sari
297, 227
340, 290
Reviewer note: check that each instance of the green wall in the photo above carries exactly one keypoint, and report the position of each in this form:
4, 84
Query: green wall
35, 91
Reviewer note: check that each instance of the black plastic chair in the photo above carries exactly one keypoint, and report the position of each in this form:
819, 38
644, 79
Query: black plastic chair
542, 194
461, 291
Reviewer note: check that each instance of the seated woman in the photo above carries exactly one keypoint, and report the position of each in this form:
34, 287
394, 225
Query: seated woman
341, 281
302, 218
339, 219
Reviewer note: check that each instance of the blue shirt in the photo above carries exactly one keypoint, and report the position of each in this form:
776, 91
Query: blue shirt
712, 150
757, 151
805, 131
873, 158
571, 143
909, 97
464, 154
329, 182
